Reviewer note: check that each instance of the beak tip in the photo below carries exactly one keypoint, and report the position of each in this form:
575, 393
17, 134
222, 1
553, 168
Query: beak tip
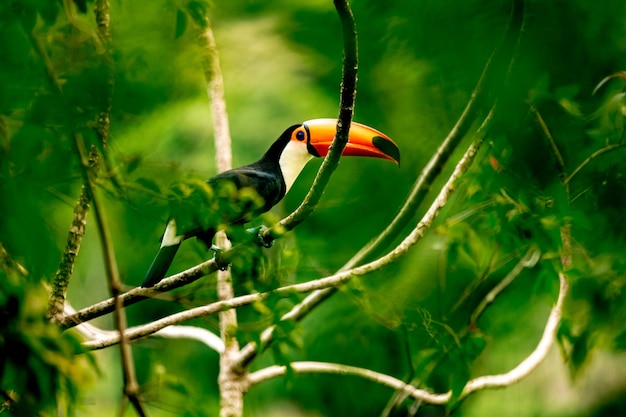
387, 147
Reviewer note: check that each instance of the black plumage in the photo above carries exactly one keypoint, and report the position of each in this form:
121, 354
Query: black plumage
233, 197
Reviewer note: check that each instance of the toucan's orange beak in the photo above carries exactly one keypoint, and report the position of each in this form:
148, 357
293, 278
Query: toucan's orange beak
362, 140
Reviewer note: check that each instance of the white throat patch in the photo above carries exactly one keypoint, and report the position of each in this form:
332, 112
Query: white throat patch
293, 159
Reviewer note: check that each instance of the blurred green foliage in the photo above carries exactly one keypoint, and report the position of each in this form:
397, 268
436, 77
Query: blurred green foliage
419, 62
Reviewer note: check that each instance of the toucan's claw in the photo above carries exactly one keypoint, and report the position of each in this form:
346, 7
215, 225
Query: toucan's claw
222, 263
259, 238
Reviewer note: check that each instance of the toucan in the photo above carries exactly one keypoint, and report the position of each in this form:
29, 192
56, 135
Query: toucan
236, 196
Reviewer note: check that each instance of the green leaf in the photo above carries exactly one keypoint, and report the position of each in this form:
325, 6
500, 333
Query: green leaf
458, 377
148, 184
580, 351
620, 341
181, 23
473, 346
198, 11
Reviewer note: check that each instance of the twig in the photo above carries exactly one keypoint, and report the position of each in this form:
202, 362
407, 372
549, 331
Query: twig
554, 149
591, 157
529, 260
131, 387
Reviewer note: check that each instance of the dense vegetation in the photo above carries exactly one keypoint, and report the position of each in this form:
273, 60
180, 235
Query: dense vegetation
544, 196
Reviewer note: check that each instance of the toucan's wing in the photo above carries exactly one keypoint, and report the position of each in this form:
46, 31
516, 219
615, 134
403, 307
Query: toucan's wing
258, 189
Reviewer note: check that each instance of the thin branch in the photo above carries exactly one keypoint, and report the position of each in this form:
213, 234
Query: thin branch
304, 367
346, 110
507, 379
138, 294
138, 332
72, 246
131, 387
591, 157
199, 334
533, 360
529, 260
229, 379
559, 162
326, 282
81, 209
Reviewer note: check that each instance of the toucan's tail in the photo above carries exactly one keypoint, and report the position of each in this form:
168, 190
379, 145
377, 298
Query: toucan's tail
160, 265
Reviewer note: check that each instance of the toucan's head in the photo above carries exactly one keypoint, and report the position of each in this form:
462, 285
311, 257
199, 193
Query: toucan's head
314, 137
318, 134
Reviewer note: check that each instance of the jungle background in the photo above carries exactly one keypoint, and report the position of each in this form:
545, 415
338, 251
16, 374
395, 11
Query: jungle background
419, 62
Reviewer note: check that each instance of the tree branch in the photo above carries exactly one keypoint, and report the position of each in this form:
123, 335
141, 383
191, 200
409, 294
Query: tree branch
533, 360
305, 367
229, 379
435, 165
529, 260
346, 110
202, 335
131, 387
522, 370
72, 246
591, 157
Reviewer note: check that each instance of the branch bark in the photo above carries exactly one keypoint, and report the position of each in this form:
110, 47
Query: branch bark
230, 377
81, 209
72, 246
346, 110
131, 387
202, 335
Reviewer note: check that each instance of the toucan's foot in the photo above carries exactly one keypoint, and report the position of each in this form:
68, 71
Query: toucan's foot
222, 263
259, 238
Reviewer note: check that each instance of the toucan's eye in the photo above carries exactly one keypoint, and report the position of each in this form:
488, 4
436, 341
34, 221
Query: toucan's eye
300, 135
